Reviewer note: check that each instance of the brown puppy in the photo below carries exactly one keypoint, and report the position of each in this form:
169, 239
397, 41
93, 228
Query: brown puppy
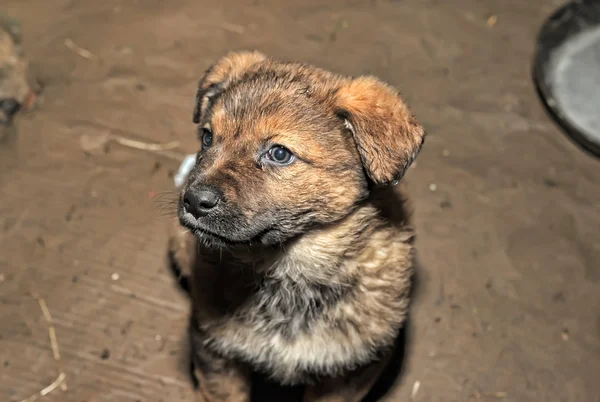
299, 245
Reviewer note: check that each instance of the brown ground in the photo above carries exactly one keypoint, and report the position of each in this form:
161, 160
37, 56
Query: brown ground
508, 210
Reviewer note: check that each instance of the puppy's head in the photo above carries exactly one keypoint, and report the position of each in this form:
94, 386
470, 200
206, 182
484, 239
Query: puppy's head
287, 147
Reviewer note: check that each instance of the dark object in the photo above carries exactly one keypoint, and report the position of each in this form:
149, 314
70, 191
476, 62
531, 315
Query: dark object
15, 92
105, 355
567, 70
8, 108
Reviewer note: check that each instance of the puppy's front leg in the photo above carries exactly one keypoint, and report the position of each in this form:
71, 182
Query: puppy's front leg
217, 379
351, 388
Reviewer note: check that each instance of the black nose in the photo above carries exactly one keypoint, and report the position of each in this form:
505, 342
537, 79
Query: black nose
8, 107
199, 201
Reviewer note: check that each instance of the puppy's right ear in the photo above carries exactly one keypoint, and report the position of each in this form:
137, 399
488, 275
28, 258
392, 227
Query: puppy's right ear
220, 75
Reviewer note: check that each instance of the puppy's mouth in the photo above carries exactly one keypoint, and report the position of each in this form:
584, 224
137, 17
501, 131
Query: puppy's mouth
188, 221
214, 238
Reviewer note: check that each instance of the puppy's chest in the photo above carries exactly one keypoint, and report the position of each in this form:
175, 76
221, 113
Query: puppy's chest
277, 306
292, 331
288, 308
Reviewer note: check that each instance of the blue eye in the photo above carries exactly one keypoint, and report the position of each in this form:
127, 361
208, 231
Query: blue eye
280, 155
207, 137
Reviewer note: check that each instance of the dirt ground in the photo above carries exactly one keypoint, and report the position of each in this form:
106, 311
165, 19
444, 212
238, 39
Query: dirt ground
507, 208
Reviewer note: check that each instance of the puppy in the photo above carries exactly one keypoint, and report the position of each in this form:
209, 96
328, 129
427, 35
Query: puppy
298, 245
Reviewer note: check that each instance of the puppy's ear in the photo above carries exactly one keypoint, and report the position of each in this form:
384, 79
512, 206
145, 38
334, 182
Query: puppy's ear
387, 135
220, 75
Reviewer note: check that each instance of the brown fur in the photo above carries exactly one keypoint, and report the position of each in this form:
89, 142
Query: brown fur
301, 272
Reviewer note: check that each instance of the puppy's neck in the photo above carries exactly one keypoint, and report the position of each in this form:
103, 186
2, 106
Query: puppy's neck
335, 254
326, 255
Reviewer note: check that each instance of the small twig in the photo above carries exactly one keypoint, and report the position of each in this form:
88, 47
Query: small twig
51, 330
86, 54
415, 389
51, 333
496, 395
233, 27
123, 137
127, 142
175, 156
58, 382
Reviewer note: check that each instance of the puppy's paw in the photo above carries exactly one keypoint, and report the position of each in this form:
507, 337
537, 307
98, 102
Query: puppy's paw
217, 379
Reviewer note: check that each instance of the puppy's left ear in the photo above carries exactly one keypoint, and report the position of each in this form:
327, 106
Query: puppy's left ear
386, 133
220, 75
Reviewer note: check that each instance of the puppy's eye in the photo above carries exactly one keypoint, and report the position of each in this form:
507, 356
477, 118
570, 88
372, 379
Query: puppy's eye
280, 155
207, 137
